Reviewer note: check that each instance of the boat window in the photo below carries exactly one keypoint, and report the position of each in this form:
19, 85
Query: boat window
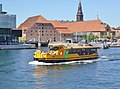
55, 48
88, 51
74, 50
70, 51
84, 51
79, 51
93, 51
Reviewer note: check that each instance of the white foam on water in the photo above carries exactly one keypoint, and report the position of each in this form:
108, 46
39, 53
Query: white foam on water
39, 63
62, 63
103, 58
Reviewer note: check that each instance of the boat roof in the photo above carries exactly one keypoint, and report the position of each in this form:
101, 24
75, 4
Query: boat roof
81, 47
74, 46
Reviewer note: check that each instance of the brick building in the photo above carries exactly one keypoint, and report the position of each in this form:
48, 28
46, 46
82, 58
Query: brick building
117, 32
37, 28
95, 27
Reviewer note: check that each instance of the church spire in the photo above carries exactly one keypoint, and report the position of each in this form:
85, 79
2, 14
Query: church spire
79, 16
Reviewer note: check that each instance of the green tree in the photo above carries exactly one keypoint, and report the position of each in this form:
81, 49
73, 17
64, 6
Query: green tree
84, 37
108, 37
89, 37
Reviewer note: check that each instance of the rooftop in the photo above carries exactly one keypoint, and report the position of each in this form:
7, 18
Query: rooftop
86, 26
67, 27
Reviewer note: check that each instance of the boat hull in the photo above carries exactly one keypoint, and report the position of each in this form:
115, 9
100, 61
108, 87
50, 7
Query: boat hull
59, 60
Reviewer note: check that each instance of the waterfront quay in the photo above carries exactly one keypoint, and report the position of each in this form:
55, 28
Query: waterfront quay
16, 73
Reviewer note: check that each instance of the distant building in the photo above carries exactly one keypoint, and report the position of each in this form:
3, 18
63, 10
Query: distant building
16, 34
117, 32
7, 22
37, 28
95, 27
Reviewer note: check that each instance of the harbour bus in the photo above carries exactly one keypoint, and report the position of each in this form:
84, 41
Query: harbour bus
62, 53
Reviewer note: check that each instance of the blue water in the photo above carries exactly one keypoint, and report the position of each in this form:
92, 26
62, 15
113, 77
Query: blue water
16, 73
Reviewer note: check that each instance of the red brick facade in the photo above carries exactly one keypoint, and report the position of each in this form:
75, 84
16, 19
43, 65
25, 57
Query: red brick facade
37, 28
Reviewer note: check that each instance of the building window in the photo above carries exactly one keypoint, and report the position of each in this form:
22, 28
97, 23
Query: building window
31, 31
42, 34
102, 33
31, 34
37, 27
42, 31
54, 39
42, 27
64, 34
107, 30
46, 31
50, 34
38, 24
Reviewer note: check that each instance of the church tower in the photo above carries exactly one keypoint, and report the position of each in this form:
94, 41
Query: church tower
79, 16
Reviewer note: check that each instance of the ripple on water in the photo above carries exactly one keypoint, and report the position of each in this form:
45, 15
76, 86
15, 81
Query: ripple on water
16, 73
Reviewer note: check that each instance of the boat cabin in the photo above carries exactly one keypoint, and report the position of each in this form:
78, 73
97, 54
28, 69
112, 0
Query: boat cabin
83, 51
62, 53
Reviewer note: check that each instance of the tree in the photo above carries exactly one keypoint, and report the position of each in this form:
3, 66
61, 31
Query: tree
108, 37
89, 37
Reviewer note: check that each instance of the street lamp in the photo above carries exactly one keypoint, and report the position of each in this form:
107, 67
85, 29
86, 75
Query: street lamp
39, 44
76, 36
60, 36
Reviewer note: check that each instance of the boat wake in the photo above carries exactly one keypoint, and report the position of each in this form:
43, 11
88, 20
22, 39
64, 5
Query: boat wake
114, 60
62, 63
103, 58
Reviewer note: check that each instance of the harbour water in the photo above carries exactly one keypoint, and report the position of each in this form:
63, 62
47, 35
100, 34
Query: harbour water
16, 73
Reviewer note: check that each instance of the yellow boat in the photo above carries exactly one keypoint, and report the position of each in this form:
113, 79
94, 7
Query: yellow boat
62, 53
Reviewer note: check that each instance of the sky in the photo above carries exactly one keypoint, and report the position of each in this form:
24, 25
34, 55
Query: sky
107, 10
